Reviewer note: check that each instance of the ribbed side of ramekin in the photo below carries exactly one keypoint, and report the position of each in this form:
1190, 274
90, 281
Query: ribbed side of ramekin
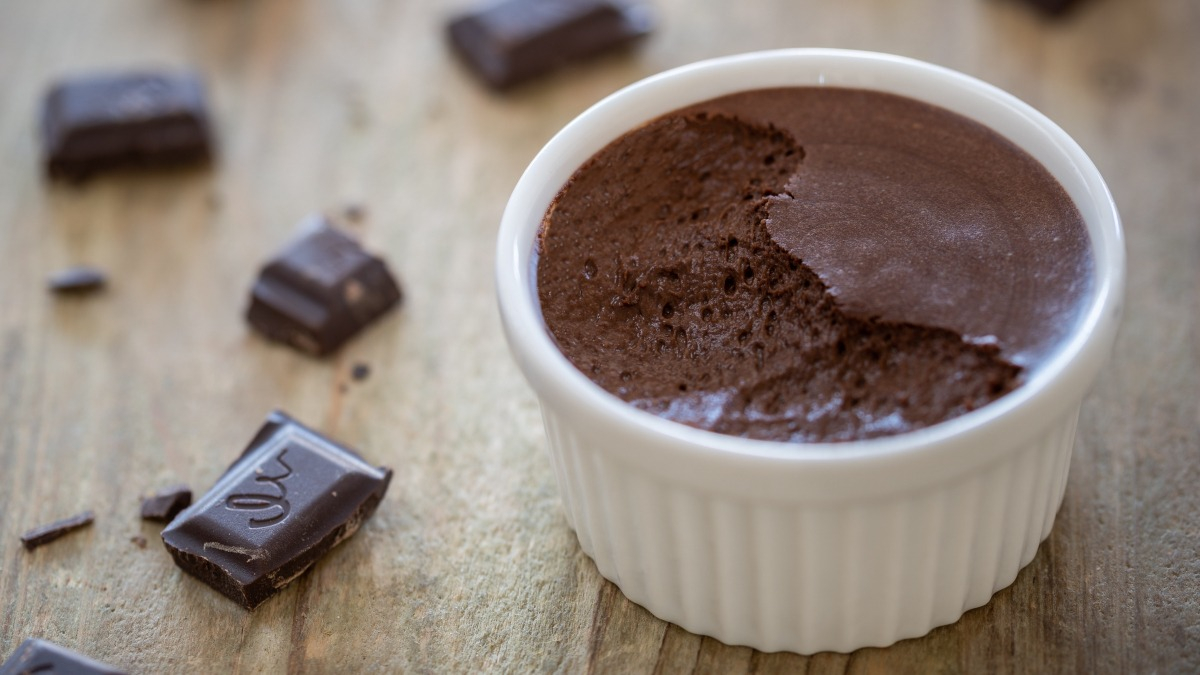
804, 575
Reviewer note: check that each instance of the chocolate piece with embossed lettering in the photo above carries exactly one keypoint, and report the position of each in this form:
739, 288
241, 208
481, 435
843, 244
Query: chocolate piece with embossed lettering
97, 122
511, 41
44, 534
320, 290
165, 504
292, 496
40, 656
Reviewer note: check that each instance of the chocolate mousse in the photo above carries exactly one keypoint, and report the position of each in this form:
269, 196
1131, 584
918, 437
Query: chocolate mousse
811, 264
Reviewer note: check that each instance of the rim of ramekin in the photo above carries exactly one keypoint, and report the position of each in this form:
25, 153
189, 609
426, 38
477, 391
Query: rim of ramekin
1055, 386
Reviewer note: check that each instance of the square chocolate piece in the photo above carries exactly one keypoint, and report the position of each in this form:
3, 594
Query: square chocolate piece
102, 121
291, 497
40, 656
320, 290
511, 41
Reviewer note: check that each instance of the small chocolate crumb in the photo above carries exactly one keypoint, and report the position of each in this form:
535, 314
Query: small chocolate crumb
354, 212
138, 540
166, 503
77, 279
360, 372
44, 534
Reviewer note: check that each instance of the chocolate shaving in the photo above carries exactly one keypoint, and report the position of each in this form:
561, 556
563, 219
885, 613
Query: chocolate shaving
45, 534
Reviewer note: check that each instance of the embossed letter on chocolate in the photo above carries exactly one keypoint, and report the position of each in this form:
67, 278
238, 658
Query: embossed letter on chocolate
292, 496
320, 290
97, 122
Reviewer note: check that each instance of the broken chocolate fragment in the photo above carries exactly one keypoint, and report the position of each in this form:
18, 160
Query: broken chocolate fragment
40, 656
291, 497
321, 290
97, 122
360, 372
165, 504
511, 41
77, 279
44, 534
1052, 7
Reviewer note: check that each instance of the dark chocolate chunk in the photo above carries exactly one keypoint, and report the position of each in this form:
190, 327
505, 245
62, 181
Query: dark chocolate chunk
511, 41
78, 279
292, 496
1052, 7
45, 534
360, 372
321, 290
97, 122
40, 656
166, 503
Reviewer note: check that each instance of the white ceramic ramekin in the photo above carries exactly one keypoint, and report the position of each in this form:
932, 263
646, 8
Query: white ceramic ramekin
820, 546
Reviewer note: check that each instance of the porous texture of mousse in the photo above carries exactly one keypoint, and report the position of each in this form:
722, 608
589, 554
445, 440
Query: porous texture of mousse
811, 264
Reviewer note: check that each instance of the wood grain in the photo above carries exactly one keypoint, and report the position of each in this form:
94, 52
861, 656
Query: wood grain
468, 564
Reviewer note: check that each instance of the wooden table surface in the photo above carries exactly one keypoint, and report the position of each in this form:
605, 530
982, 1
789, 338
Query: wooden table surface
469, 564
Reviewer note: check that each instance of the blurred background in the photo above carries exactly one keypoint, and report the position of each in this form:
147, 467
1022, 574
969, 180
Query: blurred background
469, 564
